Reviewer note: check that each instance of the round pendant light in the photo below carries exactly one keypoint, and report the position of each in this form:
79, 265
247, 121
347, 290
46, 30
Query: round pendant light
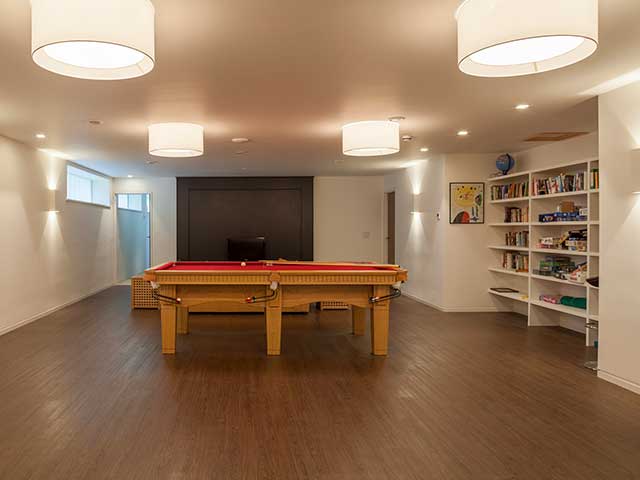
508, 38
94, 40
179, 140
370, 139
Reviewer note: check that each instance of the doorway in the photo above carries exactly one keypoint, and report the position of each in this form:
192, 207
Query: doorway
391, 227
134, 234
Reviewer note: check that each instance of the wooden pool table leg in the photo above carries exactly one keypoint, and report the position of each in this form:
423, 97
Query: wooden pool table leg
358, 319
168, 321
273, 314
183, 320
380, 322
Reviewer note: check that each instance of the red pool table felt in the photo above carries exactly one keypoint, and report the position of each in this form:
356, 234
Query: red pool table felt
264, 266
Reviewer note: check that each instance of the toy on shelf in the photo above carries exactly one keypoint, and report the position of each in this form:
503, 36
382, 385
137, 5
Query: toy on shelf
505, 163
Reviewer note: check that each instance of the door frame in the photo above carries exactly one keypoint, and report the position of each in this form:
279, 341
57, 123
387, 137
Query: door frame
386, 233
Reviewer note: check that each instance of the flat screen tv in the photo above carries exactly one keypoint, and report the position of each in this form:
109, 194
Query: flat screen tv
246, 249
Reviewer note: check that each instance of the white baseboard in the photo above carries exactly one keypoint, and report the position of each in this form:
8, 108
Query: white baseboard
29, 320
456, 309
423, 302
621, 382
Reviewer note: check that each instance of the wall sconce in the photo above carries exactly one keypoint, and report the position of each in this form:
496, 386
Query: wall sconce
52, 202
416, 207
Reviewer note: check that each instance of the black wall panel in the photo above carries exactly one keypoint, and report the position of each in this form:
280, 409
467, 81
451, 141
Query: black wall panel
213, 209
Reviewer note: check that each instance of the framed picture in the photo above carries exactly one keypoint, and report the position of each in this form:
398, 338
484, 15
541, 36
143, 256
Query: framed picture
466, 203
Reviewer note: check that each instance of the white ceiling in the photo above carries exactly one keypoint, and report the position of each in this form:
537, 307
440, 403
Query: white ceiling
288, 74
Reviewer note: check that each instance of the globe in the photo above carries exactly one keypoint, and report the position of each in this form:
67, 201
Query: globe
505, 162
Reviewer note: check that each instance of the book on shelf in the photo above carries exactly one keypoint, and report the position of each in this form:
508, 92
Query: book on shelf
516, 215
517, 262
563, 183
595, 178
517, 239
510, 191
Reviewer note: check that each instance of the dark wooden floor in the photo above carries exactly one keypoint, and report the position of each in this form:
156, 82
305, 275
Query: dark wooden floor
85, 393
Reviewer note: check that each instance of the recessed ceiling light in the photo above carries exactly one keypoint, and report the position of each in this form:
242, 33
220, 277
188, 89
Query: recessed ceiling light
240, 140
463, 133
523, 106
95, 122
424, 149
397, 118
129, 176
40, 136
241, 152
94, 40
407, 138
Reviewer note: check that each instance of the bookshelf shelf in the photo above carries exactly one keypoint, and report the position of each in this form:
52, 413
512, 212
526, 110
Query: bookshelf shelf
577, 312
508, 272
557, 195
511, 176
511, 200
560, 224
518, 297
550, 251
509, 248
561, 176
557, 280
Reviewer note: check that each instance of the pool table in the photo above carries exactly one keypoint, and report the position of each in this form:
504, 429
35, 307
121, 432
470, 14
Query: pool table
277, 285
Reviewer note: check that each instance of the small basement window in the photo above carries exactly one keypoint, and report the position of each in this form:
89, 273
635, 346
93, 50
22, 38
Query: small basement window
84, 186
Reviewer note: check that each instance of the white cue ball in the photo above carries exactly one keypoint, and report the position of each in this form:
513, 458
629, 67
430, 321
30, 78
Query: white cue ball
243, 264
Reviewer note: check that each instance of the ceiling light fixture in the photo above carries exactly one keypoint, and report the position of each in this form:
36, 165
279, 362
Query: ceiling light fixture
370, 139
240, 140
397, 118
424, 149
40, 136
523, 106
110, 40
463, 133
508, 38
177, 140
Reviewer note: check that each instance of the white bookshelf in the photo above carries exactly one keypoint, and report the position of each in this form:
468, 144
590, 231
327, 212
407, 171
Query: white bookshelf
529, 285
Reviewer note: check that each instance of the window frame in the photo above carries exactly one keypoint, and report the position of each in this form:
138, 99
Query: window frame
90, 172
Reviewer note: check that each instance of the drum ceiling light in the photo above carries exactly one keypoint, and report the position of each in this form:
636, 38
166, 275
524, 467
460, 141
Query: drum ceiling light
370, 139
508, 38
94, 40
178, 140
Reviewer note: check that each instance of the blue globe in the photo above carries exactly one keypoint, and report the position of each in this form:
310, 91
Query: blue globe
505, 162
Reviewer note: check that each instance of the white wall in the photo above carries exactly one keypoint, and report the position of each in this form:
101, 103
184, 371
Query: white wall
348, 218
447, 263
574, 150
420, 238
466, 274
619, 353
163, 213
47, 260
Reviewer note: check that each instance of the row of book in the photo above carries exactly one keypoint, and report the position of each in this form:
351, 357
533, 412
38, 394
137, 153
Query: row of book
518, 262
511, 190
517, 239
595, 178
516, 215
560, 184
